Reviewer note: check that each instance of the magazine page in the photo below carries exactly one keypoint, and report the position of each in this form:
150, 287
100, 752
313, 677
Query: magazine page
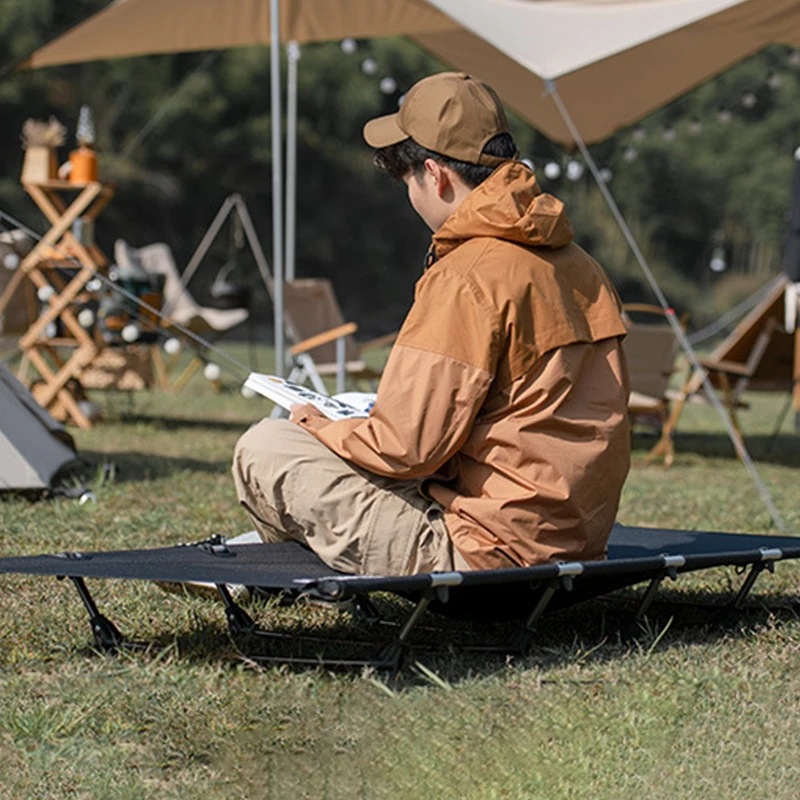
287, 395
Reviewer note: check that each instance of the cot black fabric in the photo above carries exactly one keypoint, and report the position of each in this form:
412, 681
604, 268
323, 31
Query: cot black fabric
635, 555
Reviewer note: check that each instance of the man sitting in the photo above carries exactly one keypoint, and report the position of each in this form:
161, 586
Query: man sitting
499, 436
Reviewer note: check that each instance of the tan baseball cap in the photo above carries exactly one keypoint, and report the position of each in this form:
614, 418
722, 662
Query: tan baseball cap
450, 113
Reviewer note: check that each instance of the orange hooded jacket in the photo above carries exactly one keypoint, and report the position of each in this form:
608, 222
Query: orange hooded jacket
506, 391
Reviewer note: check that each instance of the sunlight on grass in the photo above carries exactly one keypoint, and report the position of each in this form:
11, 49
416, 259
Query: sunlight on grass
679, 708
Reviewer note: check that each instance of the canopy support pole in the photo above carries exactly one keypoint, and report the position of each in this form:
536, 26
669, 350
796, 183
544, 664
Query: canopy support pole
277, 184
292, 57
671, 317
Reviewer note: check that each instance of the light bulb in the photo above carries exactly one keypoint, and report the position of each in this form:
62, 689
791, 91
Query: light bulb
695, 127
50, 330
529, 164
44, 293
11, 260
369, 66
749, 99
606, 174
94, 285
718, 263
130, 333
172, 346
388, 85
669, 133
639, 135
248, 393
630, 154
552, 170
86, 317
349, 46
797, 154
212, 371
724, 116
574, 170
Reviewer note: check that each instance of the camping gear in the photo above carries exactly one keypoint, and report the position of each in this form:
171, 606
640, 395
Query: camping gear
635, 555
33, 446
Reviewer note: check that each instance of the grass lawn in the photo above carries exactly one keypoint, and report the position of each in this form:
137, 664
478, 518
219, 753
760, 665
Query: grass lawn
683, 709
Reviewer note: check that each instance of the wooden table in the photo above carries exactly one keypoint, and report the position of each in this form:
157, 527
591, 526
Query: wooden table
66, 265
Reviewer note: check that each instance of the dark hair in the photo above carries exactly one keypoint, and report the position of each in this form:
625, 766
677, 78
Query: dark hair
408, 156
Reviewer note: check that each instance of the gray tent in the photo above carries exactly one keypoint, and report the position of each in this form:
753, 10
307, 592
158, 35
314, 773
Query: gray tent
33, 446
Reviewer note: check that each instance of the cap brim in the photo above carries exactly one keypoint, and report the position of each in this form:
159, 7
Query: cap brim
383, 132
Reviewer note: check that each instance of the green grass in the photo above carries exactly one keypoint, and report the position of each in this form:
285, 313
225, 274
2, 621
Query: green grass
683, 709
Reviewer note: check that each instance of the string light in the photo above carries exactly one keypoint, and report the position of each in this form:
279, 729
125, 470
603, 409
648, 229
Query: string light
630, 154
86, 318
794, 58
775, 80
130, 333
212, 371
695, 126
172, 346
11, 261
388, 85
369, 66
574, 170
724, 115
606, 174
639, 135
349, 46
797, 154
669, 133
552, 170
749, 99
45, 293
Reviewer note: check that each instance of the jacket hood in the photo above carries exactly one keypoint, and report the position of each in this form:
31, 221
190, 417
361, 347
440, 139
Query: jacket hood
507, 205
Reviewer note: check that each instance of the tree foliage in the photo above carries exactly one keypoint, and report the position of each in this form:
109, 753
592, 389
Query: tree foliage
178, 133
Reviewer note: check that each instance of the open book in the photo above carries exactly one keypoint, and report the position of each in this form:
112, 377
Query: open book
348, 405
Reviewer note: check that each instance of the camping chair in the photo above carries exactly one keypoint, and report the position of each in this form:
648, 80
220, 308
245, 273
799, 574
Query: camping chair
324, 342
179, 306
650, 349
758, 355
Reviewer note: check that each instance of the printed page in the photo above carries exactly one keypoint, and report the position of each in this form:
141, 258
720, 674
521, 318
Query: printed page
287, 394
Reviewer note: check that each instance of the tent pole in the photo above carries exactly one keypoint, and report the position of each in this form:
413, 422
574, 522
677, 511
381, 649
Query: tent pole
671, 317
277, 183
292, 57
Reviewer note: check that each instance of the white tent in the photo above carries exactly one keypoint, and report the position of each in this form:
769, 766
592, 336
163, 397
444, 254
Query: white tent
33, 446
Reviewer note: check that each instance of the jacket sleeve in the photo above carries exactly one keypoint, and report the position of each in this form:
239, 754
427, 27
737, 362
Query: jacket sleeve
435, 382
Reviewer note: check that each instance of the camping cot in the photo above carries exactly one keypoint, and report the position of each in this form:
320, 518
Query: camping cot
635, 555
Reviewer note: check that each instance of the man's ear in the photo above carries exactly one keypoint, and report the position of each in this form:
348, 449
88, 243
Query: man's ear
437, 173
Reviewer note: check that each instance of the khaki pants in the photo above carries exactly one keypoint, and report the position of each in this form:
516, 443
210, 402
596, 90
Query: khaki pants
294, 487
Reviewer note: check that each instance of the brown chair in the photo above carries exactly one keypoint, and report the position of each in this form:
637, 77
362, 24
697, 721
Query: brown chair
324, 342
651, 349
759, 355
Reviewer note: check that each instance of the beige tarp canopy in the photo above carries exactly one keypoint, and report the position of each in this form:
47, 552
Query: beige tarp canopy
615, 60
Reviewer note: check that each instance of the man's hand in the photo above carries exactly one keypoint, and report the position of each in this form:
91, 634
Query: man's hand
308, 416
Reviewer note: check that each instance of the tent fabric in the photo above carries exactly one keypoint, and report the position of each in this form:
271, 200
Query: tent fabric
615, 60
32, 444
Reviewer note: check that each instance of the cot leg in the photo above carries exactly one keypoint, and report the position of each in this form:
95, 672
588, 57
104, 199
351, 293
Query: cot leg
106, 636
